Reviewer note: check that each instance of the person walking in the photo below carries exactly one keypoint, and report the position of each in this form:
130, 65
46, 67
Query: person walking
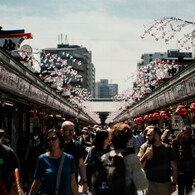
158, 159
125, 176
165, 136
184, 147
101, 146
55, 171
8, 164
75, 148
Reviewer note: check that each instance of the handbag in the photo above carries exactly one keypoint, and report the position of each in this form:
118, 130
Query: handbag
59, 173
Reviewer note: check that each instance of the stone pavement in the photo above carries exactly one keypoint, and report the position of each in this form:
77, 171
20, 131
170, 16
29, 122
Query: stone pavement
141, 193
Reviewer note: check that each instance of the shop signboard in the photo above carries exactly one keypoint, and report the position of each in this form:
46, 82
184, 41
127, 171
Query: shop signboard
190, 86
13, 82
11, 40
36, 94
177, 122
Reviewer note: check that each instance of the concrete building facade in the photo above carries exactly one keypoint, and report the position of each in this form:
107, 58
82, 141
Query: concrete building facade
105, 90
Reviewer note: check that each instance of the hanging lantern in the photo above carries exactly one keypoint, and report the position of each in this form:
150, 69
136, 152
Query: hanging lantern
32, 112
192, 107
163, 114
141, 119
150, 117
156, 116
41, 113
146, 118
181, 110
136, 120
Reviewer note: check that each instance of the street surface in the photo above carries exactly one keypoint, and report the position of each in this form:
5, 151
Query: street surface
141, 193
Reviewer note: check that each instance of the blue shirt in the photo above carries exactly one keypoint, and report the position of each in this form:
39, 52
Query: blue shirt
47, 169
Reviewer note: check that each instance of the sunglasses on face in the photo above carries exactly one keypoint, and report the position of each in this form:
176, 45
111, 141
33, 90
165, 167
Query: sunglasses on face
54, 138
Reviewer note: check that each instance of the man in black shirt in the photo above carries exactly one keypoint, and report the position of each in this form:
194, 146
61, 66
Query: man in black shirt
75, 148
158, 159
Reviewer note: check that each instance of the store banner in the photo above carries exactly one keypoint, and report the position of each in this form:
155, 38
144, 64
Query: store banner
177, 122
190, 86
11, 42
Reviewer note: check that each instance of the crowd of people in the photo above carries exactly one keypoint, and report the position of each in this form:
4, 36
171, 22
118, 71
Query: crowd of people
118, 159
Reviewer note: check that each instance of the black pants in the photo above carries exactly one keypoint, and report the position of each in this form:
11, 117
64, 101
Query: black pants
185, 182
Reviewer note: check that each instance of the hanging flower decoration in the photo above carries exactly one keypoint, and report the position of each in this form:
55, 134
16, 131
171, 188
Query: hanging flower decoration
166, 29
147, 78
59, 74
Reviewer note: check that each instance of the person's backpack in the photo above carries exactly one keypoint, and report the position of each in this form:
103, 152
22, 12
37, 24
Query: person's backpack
108, 177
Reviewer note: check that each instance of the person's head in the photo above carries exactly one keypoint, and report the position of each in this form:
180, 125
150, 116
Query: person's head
153, 135
187, 132
67, 130
166, 133
146, 129
36, 133
54, 139
101, 139
111, 124
120, 135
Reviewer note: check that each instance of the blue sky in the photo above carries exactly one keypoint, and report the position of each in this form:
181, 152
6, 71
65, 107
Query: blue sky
111, 29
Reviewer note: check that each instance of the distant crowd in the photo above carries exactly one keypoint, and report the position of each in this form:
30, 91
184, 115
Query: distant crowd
102, 160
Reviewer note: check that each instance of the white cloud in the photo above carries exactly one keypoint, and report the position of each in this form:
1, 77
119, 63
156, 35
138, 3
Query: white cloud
110, 30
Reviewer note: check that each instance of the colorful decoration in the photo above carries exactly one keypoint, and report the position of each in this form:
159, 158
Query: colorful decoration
41, 113
146, 118
181, 110
163, 114
156, 116
32, 111
151, 117
192, 107
166, 29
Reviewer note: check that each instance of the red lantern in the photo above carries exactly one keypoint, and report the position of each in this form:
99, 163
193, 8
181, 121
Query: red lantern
163, 114
139, 120
41, 113
192, 107
181, 110
146, 118
32, 112
150, 117
156, 116
135, 120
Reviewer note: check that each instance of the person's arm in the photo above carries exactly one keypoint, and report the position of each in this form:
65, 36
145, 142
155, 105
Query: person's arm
144, 156
82, 171
73, 185
174, 175
35, 186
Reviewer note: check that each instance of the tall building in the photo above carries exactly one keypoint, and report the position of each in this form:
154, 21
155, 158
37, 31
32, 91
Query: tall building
80, 61
113, 90
105, 90
176, 55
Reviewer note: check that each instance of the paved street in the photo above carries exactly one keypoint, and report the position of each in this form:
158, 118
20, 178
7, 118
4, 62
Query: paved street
141, 193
